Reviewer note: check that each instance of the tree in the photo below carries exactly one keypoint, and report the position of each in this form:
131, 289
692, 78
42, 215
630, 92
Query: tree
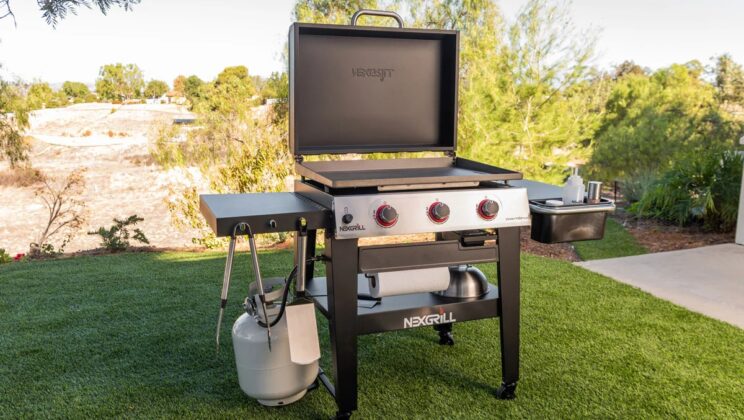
76, 91
156, 89
65, 212
13, 120
40, 95
729, 79
334, 11
235, 148
528, 100
627, 67
191, 89
231, 93
179, 85
276, 87
55, 10
653, 120
119, 82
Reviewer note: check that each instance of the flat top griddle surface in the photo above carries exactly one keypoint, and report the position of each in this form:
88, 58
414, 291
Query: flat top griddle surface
444, 173
376, 173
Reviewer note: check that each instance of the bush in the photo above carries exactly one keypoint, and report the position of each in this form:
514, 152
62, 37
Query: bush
633, 187
21, 176
235, 149
116, 238
65, 209
47, 250
13, 121
701, 188
651, 121
5, 257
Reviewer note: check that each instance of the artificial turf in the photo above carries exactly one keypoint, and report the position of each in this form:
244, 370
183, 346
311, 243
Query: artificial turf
617, 242
133, 335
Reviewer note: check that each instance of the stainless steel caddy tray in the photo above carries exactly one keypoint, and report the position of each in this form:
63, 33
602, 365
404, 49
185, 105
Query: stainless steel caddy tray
569, 223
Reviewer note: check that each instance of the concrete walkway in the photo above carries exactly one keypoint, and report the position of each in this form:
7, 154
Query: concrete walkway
708, 280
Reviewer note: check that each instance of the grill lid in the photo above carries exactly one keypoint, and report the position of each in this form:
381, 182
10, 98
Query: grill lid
359, 89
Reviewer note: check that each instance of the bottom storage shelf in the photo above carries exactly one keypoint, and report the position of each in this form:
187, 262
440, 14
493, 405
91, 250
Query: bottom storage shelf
409, 311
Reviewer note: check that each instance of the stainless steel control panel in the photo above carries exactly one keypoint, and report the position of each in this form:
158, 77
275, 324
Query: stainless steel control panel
403, 213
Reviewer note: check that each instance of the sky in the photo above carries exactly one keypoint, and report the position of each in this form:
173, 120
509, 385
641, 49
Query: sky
166, 38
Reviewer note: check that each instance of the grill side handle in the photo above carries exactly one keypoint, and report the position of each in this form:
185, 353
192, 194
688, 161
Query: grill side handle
382, 13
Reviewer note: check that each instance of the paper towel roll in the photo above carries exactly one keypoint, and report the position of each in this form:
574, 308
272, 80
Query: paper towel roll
405, 282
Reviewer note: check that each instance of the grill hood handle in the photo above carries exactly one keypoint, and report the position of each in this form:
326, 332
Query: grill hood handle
383, 13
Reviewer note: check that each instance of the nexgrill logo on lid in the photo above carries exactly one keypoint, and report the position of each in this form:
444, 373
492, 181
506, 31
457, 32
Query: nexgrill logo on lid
379, 73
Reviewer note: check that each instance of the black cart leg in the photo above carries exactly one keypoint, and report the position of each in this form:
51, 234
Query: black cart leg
508, 278
445, 334
341, 274
310, 264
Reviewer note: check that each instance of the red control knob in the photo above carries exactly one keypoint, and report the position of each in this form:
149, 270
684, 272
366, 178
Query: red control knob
488, 209
386, 216
439, 212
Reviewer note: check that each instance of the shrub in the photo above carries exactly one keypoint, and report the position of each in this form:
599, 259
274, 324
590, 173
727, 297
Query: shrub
14, 115
21, 176
234, 148
701, 188
46, 250
634, 186
5, 257
116, 238
651, 121
61, 196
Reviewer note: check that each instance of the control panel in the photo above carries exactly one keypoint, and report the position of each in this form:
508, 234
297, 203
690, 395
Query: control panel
402, 213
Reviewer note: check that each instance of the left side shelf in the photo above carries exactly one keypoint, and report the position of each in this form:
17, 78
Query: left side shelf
264, 212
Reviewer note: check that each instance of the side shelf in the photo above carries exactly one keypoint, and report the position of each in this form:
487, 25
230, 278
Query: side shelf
264, 212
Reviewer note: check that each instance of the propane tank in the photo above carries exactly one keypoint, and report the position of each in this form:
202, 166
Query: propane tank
268, 374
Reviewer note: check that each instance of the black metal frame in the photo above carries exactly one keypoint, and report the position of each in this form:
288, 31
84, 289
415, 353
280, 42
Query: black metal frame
336, 298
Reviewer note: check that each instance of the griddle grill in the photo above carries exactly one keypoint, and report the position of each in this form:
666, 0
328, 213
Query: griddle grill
416, 173
367, 90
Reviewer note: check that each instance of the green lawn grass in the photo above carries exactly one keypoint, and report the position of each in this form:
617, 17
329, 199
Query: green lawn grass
617, 242
133, 335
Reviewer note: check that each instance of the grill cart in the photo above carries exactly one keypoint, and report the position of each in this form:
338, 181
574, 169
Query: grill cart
366, 90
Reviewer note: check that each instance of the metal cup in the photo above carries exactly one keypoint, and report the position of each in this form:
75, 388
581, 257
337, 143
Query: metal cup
594, 195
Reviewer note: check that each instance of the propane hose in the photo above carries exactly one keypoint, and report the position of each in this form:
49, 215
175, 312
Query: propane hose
287, 283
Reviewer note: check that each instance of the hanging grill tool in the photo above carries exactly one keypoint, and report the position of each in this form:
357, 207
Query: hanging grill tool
242, 227
276, 368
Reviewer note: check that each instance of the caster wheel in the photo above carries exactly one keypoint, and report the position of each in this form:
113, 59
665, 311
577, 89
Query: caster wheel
507, 391
342, 415
446, 339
